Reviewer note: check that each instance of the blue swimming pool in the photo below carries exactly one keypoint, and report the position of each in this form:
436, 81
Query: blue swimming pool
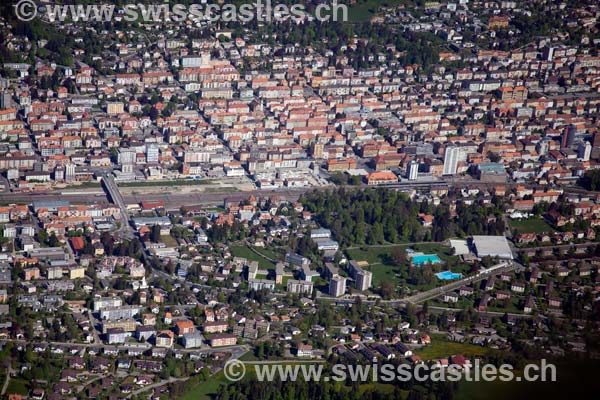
448, 275
420, 259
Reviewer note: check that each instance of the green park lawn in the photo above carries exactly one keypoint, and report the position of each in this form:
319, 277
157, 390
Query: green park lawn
381, 263
384, 273
383, 253
363, 11
246, 252
530, 225
17, 385
442, 348
206, 390
169, 241
570, 376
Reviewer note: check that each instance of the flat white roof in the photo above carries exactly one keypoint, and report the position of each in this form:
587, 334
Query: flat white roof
460, 247
357, 172
493, 246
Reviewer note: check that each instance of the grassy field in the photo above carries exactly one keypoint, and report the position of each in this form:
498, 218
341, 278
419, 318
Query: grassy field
268, 252
244, 251
385, 388
206, 390
285, 280
530, 225
442, 348
169, 240
18, 386
385, 270
213, 209
574, 380
384, 273
249, 357
463, 303
374, 254
363, 11
382, 254
510, 306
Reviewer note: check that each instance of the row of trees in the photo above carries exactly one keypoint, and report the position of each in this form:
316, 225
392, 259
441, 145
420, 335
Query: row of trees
591, 180
376, 216
251, 389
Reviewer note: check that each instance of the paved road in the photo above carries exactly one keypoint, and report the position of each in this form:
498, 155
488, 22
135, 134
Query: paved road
236, 351
427, 295
433, 293
7, 381
80, 388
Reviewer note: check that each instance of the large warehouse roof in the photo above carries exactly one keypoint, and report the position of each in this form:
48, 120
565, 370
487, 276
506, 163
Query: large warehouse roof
493, 246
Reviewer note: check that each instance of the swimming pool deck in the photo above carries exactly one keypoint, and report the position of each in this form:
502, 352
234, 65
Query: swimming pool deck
448, 275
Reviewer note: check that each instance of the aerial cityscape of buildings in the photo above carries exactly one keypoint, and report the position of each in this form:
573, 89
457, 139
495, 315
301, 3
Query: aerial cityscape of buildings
419, 185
